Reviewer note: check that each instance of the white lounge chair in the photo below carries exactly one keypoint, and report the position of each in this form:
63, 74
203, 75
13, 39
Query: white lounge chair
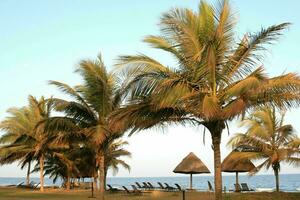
265, 189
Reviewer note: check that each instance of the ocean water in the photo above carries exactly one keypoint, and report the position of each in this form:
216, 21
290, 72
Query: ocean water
288, 182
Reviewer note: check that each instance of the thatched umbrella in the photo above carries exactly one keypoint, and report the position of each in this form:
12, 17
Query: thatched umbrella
231, 164
191, 164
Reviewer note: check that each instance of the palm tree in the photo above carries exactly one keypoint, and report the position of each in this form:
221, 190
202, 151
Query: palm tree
28, 138
213, 80
88, 113
59, 165
13, 147
274, 141
40, 111
113, 153
54, 168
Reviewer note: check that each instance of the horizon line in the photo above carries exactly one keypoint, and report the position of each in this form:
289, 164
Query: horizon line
229, 174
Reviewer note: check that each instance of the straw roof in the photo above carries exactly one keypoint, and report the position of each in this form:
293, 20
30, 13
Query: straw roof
191, 164
231, 164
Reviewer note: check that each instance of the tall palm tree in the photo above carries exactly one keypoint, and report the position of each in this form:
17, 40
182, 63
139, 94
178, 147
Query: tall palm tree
40, 111
214, 79
29, 140
274, 141
88, 112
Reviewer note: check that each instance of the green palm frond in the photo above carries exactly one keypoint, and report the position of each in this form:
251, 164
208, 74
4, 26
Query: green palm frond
75, 110
214, 79
97, 86
69, 91
245, 57
113, 153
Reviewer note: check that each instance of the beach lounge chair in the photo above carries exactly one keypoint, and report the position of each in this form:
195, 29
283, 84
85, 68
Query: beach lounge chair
265, 189
178, 187
135, 192
135, 189
161, 185
210, 187
32, 185
20, 184
139, 186
245, 188
151, 186
36, 185
146, 186
112, 189
126, 190
168, 187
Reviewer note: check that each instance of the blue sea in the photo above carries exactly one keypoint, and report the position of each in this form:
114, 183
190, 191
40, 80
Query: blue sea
288, 182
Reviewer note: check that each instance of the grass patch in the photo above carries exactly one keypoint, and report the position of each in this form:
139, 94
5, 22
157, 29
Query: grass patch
21, 194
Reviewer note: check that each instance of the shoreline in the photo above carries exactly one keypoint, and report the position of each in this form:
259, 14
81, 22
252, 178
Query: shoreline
288, 182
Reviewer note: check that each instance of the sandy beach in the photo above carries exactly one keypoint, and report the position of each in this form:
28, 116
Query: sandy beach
9, 193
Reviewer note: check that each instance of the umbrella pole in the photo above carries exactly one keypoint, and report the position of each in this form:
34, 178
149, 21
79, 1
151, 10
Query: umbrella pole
191, 181
236, 181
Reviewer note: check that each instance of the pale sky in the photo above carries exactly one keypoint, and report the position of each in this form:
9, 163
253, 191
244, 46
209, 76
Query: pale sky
44, 40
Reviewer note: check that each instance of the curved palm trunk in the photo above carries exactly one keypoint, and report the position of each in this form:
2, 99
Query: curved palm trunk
215, 129
102, 177
28, 174
42, 173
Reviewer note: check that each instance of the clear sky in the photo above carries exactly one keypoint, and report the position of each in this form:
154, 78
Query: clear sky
44, 40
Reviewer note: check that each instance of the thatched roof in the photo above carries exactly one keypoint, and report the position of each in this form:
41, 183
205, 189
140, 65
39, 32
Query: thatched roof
231, 164
191, 164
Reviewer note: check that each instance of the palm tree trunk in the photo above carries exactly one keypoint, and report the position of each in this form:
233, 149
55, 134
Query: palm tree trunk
95, 182
216, 128
102, 186
68, 184
28, 174
98, 178
276, 173
42, 173
237, 189
191, 181
217, 167
105, 175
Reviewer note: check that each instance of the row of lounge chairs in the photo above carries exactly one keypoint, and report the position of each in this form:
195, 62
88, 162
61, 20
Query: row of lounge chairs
165, 186
138, 188
134, 191
147, 186
243, 187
